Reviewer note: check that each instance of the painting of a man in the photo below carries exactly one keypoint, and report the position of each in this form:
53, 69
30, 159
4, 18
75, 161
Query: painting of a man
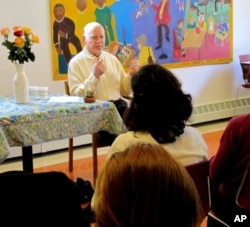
64, 33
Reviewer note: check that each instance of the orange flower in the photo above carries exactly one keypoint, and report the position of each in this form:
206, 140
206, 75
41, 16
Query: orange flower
5, 31
17, 28
19, 42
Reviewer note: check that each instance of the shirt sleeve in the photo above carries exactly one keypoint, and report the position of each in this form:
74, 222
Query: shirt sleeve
78, 80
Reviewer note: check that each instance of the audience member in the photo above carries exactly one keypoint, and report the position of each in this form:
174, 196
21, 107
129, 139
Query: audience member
158, 114
227, 168
144, 186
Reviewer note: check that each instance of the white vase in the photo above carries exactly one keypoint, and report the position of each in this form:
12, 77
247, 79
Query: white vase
21, 85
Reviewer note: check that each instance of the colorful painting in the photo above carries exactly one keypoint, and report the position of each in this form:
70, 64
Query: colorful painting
176, 33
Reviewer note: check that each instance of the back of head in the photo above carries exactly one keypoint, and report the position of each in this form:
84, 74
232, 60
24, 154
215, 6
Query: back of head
142, 39
159, 104
145, 186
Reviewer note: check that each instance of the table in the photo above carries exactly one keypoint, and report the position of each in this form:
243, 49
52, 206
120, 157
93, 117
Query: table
55, 118
193, 40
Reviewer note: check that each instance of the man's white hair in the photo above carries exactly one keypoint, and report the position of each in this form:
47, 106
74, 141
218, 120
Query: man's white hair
89, 27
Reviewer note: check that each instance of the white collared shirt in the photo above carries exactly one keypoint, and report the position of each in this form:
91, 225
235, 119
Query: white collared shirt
112, 85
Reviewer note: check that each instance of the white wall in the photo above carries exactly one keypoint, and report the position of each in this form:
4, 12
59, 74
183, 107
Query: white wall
207, 84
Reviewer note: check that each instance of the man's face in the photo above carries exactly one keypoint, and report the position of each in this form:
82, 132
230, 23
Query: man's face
59, 13
94, 41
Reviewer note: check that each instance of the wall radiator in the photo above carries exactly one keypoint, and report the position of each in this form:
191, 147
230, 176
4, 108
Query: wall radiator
220, 110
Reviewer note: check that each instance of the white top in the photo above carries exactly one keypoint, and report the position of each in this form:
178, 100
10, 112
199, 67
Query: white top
190, 147
112, 85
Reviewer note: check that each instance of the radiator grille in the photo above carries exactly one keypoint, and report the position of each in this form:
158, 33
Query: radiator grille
220, 110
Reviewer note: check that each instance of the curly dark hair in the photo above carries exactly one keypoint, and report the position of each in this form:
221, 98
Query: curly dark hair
159, 104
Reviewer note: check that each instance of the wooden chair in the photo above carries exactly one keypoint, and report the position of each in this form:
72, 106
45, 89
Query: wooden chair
71, 146
97, 142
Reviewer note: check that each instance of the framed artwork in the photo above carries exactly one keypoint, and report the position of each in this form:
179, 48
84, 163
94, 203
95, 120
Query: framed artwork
176, 33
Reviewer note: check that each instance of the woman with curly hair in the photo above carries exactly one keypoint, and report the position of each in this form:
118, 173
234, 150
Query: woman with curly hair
158, 113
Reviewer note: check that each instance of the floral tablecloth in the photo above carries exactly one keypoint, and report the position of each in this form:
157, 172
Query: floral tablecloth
57, 117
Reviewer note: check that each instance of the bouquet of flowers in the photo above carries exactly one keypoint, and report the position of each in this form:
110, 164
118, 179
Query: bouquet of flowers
20, 48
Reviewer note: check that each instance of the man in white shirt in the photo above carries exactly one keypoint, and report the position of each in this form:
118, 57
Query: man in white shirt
98, 69
95, 69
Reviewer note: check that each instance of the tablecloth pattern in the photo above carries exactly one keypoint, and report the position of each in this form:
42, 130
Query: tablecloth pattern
40, 121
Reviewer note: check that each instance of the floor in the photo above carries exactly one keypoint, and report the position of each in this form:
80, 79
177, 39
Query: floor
57, 161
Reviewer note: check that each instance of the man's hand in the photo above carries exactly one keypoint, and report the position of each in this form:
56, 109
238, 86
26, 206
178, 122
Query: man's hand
62, 34
59, 50
134, 66
99, 68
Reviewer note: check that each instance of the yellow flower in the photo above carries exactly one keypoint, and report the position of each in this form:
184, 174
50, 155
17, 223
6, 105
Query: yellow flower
34, 38
20, 48
27, 31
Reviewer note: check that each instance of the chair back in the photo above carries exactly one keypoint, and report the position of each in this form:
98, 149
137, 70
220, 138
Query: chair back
200, 174
245, 66
243, 193
244, 58
43, 199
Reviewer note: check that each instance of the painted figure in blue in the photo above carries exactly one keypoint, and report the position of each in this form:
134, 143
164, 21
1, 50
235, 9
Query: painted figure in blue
123, 11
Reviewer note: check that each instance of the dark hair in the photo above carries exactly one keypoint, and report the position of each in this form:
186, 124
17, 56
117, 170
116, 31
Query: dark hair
159, 105
145, 186
59, 5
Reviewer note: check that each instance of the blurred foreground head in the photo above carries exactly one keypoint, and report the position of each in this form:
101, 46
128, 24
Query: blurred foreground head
145, 186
